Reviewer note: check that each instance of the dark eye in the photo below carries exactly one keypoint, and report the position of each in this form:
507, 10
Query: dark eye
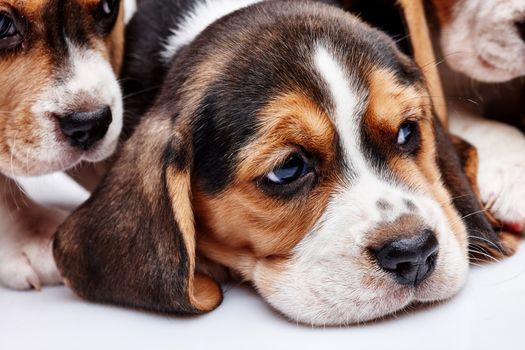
405, 133
408, 137
292, 170
7, 27
106, 15
108, 7
12, 29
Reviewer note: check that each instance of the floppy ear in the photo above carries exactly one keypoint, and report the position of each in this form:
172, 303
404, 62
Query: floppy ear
133, 242
458, 163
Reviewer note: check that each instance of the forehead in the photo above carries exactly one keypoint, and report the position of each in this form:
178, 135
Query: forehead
53, 18
52, 25
35, 7
330, 59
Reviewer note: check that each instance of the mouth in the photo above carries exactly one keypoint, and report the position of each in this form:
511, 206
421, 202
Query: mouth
25, 163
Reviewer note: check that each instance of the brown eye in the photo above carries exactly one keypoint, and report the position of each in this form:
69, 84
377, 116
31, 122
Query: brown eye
10, 31
106, 15
293, 169
405, 133
7, 27
294, 176
108, 7
408, 138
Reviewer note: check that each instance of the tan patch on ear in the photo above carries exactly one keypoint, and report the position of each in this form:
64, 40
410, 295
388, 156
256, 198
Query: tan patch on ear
203, 293
424, 53
243, 224
469, 159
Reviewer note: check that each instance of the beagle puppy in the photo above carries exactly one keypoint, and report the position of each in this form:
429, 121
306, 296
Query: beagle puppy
61, 104
289, 143
484, 41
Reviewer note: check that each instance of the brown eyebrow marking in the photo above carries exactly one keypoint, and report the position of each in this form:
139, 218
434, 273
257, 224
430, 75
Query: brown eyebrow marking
275, 227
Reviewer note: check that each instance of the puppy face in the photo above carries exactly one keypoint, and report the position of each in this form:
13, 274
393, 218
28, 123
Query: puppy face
306, 165
325, 180
484, 39
61, 102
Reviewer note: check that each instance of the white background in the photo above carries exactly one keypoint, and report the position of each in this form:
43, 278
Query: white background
488, 314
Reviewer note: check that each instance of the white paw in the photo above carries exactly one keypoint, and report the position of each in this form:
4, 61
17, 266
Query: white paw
501, 183
501, 173
26, 258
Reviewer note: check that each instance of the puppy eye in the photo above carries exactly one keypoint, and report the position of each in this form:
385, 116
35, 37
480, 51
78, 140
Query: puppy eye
405, 133
294, 176
11, 31
293, 169
106, 15
108, 7
7, 27
408, 137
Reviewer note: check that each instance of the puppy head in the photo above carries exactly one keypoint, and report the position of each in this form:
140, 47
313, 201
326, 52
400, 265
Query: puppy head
61, 102
483, 39
297, 147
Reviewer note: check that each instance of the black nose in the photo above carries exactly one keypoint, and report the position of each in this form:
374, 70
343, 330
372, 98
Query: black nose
84, 129
411, 260
521, 29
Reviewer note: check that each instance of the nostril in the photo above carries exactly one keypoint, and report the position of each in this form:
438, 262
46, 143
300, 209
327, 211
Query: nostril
410, 259
84, 129
521, 29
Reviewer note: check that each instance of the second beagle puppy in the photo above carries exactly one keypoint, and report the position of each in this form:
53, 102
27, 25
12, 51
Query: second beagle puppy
60, 105
484, 41
289, 142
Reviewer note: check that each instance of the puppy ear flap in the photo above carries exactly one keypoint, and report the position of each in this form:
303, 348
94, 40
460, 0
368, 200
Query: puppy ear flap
458, 163
133, 242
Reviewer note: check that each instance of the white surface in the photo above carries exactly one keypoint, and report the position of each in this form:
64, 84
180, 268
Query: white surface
488, 314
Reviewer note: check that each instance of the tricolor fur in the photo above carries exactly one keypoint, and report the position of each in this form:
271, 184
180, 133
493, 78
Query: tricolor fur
229, 104
59, 59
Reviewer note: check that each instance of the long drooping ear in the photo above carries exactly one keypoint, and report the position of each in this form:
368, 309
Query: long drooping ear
133, 242
458, 164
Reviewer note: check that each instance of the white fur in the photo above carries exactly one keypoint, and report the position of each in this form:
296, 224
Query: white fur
26, 259
130, 7
348, 104
325, 281
90, 83
501, 174
481, 39
204, 13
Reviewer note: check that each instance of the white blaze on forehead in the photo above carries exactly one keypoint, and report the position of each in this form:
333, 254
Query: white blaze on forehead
330, 278
348, 105
203, 13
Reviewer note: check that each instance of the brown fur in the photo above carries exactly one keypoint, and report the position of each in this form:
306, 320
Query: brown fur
26, 72
391, 105
405, 226
153, 211
160, 204
275, 226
